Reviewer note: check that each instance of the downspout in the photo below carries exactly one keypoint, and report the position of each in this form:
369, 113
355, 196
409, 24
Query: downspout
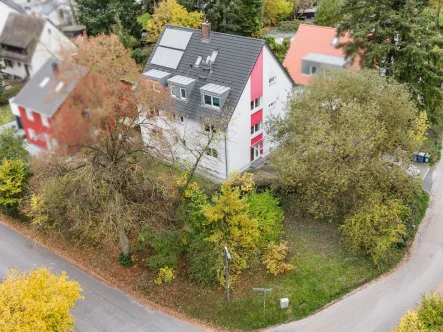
226, 154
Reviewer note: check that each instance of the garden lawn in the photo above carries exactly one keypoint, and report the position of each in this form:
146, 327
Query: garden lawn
5, 114
323, 272
143, 19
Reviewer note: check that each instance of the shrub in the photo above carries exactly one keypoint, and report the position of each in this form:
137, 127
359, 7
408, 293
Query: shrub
13, 176
12, 147
430, 313
275, 259
125, 260
204, 260
5, 96
166, 245
165, 274
410, 323
376, 227
289, 26
265, 208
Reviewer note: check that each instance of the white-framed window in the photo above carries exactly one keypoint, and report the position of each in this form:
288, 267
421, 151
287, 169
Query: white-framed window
256, 103
313, 70
273, 80
273, 105
29, 115
9, 63
256, 128
45, 120
212, 153
210, 129
211, 101
32, 134
178, 93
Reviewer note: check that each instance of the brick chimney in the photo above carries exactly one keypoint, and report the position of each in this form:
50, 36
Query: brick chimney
56, 70
206, 31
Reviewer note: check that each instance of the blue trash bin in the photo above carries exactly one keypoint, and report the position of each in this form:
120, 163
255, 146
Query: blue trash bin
421, 157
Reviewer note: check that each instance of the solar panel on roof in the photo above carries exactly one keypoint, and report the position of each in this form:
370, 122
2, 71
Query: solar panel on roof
176, 39
167, 57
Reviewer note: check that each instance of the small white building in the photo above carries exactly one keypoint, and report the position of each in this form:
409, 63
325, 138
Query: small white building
27, 42
59, 12
213, 76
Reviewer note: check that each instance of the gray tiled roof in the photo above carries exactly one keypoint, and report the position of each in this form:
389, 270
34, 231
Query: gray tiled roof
15, 6
236, 58
22, 30
45, 100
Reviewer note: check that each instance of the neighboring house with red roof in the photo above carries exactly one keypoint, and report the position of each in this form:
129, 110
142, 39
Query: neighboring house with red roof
315, 47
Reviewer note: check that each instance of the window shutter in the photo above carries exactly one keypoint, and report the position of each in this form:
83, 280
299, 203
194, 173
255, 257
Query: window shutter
257, 117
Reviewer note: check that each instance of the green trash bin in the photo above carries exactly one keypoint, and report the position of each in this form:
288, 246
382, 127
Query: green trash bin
427, 157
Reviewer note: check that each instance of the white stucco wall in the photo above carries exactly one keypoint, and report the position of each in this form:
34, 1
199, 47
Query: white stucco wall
52, 40
239, 133
4, 12
190, 131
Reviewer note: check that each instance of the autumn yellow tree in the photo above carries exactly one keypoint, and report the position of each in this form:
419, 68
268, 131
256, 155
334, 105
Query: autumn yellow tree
170, 12
36, 301
275, 11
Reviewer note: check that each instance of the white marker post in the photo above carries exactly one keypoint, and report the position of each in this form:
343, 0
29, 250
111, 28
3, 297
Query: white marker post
264, 290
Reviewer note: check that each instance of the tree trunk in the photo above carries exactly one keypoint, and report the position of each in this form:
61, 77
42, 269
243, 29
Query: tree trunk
124, 241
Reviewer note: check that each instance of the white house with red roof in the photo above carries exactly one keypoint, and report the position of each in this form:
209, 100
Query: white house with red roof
315, 47
214, 75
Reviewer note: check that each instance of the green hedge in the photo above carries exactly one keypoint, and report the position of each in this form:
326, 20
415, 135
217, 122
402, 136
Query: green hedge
5, 96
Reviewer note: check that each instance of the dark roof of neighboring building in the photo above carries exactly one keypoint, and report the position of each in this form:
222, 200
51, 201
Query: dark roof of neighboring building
21, 30
40, 93
236, 58
14, 5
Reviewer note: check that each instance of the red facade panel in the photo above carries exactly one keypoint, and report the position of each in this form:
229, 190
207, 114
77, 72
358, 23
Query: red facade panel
257, 78
256, 139
36, 125
257, 117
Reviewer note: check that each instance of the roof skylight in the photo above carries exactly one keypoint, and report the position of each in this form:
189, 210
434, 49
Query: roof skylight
44, 82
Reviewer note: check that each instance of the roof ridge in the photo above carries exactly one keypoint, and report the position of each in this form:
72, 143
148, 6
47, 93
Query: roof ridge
215, 32
317, 26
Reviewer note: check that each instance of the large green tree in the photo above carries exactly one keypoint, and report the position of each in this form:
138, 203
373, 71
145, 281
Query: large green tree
395, 37
240, 17
328, 12
101, 16
336, 137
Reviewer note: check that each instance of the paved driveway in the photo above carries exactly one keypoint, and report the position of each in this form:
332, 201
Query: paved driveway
104, 309
380, 305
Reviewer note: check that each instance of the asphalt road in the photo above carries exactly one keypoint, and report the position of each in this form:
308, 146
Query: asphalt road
104, 309
380, 305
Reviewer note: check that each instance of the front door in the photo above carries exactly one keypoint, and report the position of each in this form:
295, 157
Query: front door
255, 152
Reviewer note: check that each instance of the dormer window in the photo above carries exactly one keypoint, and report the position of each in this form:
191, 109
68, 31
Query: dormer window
214, 95
179, 93
181, 86
211, 101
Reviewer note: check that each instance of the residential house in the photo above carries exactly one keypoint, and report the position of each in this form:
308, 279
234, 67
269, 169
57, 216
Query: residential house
7, 7
213, 75
59, 12
43, 99
27, 42
315, 47
307, 14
